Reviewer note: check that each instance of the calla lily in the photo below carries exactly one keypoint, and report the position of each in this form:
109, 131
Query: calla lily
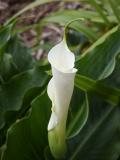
60, 89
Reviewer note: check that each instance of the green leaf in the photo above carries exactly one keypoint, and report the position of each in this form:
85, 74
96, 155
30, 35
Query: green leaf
28, 137
7, 69
100, 11
21, 54
80, 26
106, 48
98, 61
19, 85
66, 16
114, 79
110, 94
5, 34
30, 133
99, 138
115, 5
16, 58
48, 155
1, 151
79, 107
63, 17
78, 113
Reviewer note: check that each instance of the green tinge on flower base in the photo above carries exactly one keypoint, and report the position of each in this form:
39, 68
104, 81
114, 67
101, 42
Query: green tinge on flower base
57, 141
60, 89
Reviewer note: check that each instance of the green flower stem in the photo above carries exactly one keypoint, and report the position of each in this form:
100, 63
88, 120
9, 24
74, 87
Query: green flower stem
57, 140
67, 25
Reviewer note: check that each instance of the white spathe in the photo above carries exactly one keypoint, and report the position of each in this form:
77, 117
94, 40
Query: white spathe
60, 87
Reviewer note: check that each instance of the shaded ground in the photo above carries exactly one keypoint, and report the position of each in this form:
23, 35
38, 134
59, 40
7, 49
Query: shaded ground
9, 7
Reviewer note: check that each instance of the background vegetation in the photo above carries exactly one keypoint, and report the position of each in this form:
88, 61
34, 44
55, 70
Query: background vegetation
93, 34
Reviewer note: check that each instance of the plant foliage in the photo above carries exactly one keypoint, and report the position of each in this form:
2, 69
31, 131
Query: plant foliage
93, 124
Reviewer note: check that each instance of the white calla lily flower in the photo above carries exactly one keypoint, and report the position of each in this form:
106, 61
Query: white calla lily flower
60, 89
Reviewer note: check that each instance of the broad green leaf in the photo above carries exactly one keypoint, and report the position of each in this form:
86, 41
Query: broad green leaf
1, 121
48, 155
16, 58
99, 138
19, 84
21, 54
79, 114
79, 106
114, 79
110, 94
28, 137
13, 92
5, 34
7, 68
98, 61
29, 132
